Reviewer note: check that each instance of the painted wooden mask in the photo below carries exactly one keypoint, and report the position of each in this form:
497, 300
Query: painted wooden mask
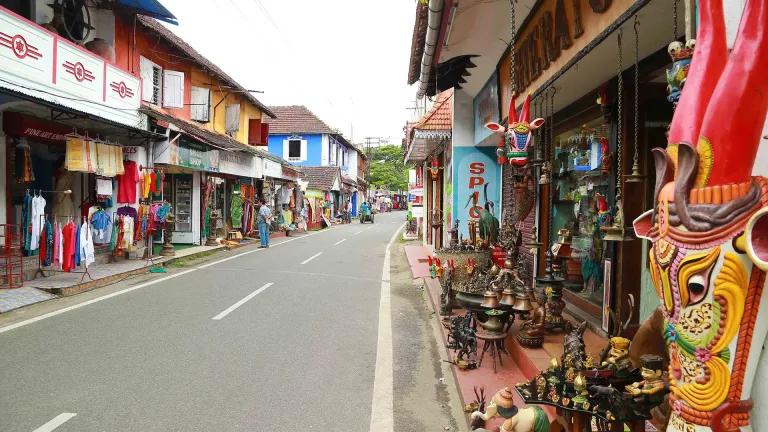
709, 227
518, 137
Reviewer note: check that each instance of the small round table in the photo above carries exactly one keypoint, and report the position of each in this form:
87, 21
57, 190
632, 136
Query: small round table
495, 343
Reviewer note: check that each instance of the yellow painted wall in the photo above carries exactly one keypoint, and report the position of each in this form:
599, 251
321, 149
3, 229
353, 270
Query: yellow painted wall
219, 114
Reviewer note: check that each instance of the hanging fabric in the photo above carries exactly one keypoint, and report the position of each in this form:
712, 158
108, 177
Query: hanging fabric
86, 250
23, 163
236, 210
127, 182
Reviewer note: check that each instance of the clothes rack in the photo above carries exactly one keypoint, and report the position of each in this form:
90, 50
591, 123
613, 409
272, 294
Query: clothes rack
42, 270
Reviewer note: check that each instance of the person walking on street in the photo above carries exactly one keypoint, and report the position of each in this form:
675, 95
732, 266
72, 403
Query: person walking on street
265, 218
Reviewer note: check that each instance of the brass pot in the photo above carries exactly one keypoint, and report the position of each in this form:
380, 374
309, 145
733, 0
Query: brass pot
495, 322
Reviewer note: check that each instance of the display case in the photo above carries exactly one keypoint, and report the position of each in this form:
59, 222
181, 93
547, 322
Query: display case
182, 203
582, 178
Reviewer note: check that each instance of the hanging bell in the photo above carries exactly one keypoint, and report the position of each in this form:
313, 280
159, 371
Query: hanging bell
507, 298
490, 300
522, 305
636, 176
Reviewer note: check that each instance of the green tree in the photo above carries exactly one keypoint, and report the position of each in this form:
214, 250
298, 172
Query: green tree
387, 168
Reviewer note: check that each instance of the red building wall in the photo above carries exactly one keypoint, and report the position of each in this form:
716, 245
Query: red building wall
132, 41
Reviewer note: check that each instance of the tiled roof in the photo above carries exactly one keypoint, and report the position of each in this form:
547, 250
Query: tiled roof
417, 42
320, 178
296, 119
440, 116
216, 139
195, 56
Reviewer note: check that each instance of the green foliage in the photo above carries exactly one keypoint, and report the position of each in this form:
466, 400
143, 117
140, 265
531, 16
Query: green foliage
387, 168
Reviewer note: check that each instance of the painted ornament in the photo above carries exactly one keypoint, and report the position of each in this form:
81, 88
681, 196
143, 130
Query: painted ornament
516, 139
676, 75
709, 226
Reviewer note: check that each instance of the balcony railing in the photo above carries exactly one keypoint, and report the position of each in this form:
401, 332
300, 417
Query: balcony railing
38, 63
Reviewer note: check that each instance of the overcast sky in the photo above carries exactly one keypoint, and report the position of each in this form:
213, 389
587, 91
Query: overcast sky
347, 60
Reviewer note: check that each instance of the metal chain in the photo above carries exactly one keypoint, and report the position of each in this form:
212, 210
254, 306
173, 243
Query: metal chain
635, 158
551, 166
620, 119
512, 55
674, 19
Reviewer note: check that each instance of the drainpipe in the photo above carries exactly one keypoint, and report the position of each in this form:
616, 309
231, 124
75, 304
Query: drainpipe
430, 43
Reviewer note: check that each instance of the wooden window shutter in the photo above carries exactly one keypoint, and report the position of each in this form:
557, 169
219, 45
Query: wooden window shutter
173, 89
146, 71
254, 132
200, 109
233, 118
264, 134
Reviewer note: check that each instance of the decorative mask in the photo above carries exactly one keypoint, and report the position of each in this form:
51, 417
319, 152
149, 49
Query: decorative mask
434, 168
709, 227
676, 75
518, 137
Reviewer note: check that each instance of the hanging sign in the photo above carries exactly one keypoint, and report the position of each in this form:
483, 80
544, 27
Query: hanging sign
184, 152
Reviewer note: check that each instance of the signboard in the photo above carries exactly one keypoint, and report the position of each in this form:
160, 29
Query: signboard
39, 63
236, 163
417, 211
272, 169
554, 28
411, 176
36, 129
476, 181
257, 167
187, 153
486, 108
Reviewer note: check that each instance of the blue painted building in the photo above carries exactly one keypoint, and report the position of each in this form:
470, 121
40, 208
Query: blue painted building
303, 139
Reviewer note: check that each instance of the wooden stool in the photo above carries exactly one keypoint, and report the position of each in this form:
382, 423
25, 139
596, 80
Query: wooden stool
496, 344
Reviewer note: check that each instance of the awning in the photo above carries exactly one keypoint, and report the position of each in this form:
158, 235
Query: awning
151, 8
424, 143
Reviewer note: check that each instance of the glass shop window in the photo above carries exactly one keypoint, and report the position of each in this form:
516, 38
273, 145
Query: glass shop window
582, 176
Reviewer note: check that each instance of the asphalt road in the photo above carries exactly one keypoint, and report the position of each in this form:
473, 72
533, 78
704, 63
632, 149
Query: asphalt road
279, 339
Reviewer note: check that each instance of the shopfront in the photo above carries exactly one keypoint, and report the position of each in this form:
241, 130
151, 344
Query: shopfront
61, 176
591, 125
185, 160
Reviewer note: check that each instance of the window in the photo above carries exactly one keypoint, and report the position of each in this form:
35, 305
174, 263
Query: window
200, 110
173, 89
294, 149
152, 77
233, 119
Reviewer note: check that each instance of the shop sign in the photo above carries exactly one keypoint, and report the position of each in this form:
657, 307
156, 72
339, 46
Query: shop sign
39, 63
187, 153
486, 108
552, 29
272, 169
477, 182
417, 211
236, 163
36, 129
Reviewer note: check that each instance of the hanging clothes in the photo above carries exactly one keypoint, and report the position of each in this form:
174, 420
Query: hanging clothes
23, 163
48, 243
104, 187
127, 182
77, 245
236, 210
68, 246
146, 184
36, 213
43, 246
101, 223
128, 231
115, 239
86, 250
